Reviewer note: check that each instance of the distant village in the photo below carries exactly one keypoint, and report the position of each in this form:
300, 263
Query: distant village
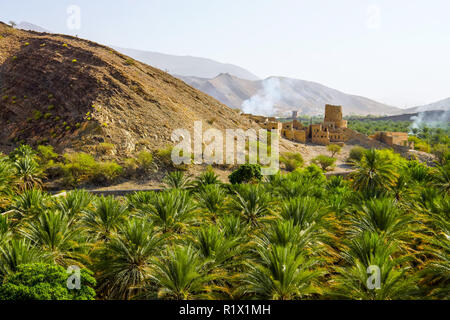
333, 130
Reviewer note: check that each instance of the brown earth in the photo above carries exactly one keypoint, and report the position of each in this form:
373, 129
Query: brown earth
74, 93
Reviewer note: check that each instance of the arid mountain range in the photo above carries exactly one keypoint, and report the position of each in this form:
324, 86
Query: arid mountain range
187, 65
240, 89
280, 96
439, 105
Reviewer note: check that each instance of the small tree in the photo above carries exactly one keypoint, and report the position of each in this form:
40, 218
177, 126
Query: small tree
13, 24
292, 161
246, 173
145, 161
46, 282
324, 162
356, 154
334, 149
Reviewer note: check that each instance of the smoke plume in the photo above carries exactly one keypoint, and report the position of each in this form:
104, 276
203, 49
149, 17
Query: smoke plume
263, 103
431, 119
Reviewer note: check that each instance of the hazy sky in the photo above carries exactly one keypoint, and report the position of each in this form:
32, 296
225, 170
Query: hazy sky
393, 51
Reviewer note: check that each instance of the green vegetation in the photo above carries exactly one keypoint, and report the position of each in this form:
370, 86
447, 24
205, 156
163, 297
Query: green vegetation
356, 153
371, 127
325, 162
246, 173
37, 115
165, 155
105, 148
291, 236
424, 137
292, 161
334, 149
40, 281
130, 62
80, 168
139, 166
144, 161
46, 156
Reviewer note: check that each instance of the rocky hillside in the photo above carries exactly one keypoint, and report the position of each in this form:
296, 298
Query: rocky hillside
75, 93
280, 96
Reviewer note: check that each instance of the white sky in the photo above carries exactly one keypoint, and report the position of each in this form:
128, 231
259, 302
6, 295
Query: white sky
393, 51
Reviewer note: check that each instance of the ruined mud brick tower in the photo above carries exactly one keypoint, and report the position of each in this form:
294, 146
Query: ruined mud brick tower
334, 117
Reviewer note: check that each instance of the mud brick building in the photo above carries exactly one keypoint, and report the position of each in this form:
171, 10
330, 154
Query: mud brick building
330, 131
393, 139
333, 130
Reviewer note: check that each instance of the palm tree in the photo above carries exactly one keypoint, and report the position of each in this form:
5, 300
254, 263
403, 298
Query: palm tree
140, 200
252, 202
336, 182
368, 256
300, 187
436, 272
28, 173
180, 275
52, 232
7, 181
30, 204
5, 229
381, 216
304, 211
233, 226
105, 218
212, 245
15, 252
442, 178
125, 262
280, 273
401, 190
418, 172
207, 178
74, 203
172, 210
284, 233
178, 180
211, 198
374, 172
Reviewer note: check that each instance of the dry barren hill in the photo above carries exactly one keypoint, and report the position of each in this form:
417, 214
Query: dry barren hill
75, 93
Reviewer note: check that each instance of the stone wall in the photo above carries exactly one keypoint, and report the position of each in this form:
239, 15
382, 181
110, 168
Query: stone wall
393, 138
272, 125
353, 137
300, 136
319, 136
294, 135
